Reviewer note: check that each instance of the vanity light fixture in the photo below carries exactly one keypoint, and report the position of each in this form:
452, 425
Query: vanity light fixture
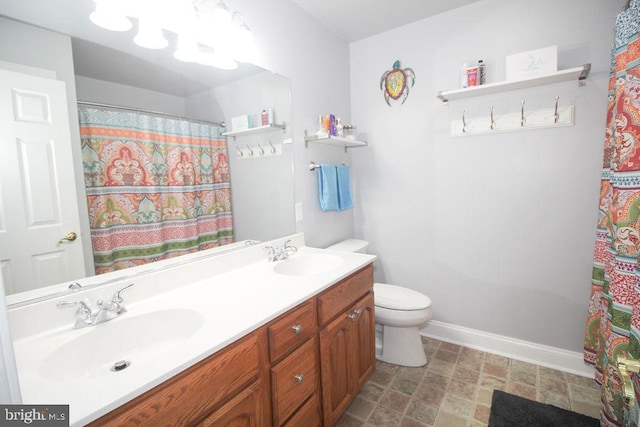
207, 31
107, 15
150, 34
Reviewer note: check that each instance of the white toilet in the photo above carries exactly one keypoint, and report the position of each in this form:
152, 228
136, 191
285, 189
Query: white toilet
399, 313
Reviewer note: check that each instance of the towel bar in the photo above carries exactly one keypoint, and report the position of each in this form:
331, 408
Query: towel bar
313, 166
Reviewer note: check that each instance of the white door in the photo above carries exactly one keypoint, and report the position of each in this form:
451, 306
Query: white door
38, 204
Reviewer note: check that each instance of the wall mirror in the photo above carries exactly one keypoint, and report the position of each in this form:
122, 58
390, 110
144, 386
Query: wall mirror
110, 69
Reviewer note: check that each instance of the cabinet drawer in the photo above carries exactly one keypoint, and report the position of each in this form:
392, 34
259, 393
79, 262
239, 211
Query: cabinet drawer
183, 399
341, 296
307, 416
291, 329
294, 379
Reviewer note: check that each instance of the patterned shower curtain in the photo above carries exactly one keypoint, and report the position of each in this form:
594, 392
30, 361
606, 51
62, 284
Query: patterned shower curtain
156, 187
613, 327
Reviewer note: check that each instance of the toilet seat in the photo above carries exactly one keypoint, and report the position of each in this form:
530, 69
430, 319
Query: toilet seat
394, 297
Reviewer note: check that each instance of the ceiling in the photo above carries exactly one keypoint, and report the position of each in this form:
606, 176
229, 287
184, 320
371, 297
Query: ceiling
353, 20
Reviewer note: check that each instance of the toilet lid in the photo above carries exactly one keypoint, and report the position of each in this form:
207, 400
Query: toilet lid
399, 298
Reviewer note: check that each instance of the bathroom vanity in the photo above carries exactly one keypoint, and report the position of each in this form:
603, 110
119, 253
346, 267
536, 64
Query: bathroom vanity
282, 343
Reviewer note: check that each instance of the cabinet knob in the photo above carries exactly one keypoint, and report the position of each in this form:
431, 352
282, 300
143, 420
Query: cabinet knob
354, 316
299, 378
297, 329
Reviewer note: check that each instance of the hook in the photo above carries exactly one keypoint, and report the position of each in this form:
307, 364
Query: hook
556, 116
522, 119
493, 123
261, 149
273, 149
240, 153
464, 123
250, 151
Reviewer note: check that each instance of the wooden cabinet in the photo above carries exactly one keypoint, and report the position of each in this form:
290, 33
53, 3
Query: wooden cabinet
286, 373
295, 372
292, 329
244, 410
347, 343
294, 380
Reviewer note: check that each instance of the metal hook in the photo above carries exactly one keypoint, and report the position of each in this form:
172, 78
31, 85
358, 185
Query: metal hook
261, 149
240, 153
273, 149
556, 116
493, 123
522, 119
250, 151
464, 123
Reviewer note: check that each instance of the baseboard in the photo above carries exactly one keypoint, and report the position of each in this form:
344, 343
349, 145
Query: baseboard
550, 357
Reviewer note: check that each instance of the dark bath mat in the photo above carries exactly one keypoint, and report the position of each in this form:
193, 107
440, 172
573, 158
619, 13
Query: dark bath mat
508, 410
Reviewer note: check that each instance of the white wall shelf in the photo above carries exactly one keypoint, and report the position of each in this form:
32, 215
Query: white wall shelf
579, 73
335, 141
256, 130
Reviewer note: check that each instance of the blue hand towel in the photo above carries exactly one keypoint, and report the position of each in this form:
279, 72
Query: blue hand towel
344, 188
328, 187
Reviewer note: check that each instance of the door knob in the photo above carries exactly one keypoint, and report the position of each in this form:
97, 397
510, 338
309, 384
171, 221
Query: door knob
69, 237
625, 366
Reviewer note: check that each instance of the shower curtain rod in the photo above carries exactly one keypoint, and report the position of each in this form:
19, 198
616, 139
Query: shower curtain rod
158, 113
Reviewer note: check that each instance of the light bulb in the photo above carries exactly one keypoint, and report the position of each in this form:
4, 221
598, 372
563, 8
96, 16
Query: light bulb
150, 35
244, 49
109, 17
187, 48
221, 15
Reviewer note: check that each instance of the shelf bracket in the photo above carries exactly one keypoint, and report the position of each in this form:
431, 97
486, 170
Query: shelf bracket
582, 78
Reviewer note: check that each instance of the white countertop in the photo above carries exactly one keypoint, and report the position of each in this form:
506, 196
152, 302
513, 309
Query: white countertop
235, 294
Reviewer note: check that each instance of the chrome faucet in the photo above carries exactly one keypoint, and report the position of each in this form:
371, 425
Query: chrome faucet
86, 316
288, 247
278, 253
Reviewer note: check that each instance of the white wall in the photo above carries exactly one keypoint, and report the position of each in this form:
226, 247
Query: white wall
261, 186
104, 92
317, 63
498, 230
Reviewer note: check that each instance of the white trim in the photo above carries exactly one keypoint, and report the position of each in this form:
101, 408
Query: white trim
543, 355
9, 385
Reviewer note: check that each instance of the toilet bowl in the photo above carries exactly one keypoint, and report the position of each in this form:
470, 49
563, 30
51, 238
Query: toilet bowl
399, 314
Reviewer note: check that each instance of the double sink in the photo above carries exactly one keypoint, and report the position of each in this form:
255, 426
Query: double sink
98, 368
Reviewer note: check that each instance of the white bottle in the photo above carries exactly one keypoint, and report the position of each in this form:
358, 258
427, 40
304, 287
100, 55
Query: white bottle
339, 128
464, 80
482, 73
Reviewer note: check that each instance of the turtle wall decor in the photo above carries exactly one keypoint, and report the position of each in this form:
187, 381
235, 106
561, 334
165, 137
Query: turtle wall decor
396, 83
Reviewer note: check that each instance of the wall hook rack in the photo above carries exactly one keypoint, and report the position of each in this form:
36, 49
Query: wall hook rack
531, 120
492, 126
257, 150
464, 123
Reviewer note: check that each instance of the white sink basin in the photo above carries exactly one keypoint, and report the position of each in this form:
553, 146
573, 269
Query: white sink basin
130, 338
307, 264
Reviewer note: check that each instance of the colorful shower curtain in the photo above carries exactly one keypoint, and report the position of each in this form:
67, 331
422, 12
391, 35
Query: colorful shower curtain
156, 187
613, 327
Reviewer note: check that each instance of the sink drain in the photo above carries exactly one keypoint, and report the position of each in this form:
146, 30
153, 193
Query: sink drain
120, 365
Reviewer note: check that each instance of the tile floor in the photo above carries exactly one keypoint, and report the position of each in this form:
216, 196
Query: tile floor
455, 388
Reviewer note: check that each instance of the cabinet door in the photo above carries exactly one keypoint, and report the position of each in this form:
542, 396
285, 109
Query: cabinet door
244, 410
365, 337
335, 361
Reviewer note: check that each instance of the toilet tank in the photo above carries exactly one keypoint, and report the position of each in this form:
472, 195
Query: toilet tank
351, 245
